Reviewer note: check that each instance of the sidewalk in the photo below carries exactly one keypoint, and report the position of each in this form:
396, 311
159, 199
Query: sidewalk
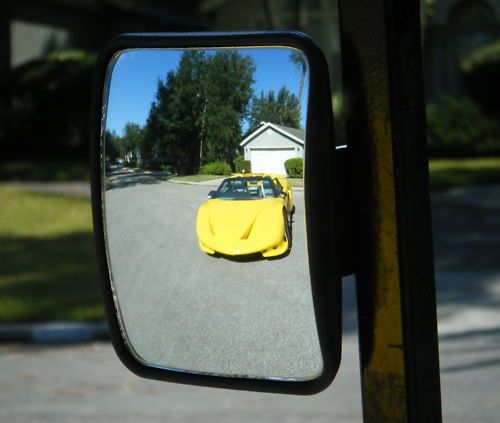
54, 332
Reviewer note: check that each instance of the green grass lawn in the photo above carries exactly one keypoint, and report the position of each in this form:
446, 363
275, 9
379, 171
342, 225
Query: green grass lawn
47, 268
296, 182
452, 173
59, 170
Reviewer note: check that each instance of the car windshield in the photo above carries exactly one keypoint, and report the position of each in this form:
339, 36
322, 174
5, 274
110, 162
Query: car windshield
245, 189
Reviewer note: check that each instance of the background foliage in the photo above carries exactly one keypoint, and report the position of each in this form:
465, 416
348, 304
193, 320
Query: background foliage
50, 114
460, 128
282, 109
481, 72
216, 168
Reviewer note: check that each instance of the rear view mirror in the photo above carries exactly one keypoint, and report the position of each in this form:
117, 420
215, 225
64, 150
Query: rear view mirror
239, 290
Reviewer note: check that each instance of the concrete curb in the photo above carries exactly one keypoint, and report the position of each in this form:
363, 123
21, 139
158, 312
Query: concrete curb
212, 184
54, 332
184, 182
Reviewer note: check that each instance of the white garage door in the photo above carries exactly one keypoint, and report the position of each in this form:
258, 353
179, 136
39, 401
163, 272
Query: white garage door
270, 161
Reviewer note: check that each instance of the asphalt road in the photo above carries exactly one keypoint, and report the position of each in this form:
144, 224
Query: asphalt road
185, 309
466, 224
87, 383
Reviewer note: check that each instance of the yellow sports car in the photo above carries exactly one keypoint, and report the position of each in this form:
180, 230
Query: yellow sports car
248, 214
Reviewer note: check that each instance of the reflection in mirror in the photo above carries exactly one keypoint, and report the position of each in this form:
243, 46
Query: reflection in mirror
204, 210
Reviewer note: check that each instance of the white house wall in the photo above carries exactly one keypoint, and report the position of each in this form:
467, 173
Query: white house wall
272, 139
268, 151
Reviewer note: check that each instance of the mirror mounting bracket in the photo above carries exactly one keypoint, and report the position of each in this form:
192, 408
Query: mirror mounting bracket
344, 212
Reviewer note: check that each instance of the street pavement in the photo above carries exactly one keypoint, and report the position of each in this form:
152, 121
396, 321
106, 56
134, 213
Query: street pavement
466, 225
87, 383
185, 309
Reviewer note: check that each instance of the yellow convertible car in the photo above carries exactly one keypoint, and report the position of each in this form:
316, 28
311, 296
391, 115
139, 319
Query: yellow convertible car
248, 214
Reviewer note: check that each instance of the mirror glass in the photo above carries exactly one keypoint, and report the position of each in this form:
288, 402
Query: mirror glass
204, 222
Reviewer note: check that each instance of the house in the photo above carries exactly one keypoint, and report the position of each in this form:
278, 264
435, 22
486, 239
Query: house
270, 145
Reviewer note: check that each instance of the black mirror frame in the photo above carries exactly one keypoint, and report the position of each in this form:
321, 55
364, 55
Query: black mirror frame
320, 212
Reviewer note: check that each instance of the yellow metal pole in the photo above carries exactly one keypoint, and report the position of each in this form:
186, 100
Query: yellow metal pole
389, 336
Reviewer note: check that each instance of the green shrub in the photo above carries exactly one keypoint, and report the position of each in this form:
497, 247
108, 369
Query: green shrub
246, 165
242, 165
237, 163
481, 73
171, 170
459, 128
295, 167
216, 168
131, 163
152, 166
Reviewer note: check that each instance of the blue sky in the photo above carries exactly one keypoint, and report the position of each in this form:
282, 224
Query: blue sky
136, 72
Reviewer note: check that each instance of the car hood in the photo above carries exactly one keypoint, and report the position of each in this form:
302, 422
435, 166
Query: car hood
240, 227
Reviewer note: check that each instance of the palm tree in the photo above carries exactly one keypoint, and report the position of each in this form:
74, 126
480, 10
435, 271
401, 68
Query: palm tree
297, 58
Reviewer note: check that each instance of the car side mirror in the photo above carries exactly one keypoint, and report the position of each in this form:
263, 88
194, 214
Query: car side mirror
232, 293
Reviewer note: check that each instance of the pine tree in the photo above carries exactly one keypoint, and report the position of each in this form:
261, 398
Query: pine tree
130, 141
281, 109
228, 83
199, 109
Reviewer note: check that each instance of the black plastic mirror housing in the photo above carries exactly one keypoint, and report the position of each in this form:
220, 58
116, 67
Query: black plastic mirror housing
320, 208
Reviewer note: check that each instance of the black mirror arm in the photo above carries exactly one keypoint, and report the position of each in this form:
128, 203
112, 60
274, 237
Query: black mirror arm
344, 212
